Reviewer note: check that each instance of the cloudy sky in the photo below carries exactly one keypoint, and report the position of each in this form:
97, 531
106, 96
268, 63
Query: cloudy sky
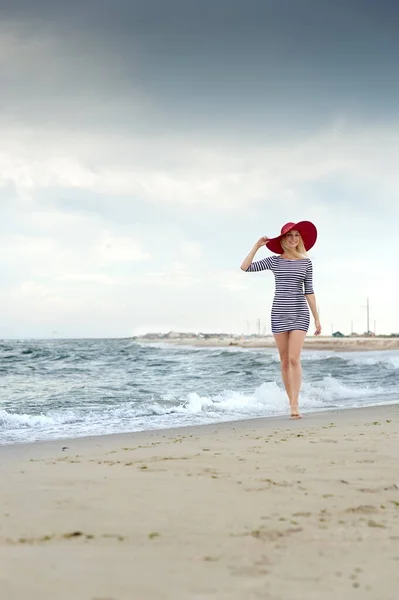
147, 144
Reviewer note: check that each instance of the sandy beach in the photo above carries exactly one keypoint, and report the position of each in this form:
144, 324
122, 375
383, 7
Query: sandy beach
267, 508
328, 343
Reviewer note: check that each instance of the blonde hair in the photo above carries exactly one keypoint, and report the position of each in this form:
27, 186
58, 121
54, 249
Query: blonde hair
298, 252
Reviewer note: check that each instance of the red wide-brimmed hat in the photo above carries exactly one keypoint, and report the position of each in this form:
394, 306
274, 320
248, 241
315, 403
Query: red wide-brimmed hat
307, 230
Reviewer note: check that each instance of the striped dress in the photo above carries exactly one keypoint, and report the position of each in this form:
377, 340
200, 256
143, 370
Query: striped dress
293, 279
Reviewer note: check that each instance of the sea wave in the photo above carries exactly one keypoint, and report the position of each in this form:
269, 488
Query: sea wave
57, 389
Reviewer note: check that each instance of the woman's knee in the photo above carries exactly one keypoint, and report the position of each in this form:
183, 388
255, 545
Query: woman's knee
294, 360
284, 360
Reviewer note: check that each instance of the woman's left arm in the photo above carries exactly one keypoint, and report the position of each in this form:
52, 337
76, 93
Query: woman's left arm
311, 298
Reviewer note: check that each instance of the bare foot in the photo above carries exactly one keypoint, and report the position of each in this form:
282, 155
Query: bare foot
295, 412
295, 415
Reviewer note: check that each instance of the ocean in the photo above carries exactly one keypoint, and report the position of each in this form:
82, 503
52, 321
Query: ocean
56, 389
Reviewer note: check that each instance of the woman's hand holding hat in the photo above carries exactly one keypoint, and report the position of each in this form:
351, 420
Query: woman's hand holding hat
262, 241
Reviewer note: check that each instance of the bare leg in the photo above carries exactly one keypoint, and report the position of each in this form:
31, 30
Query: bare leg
295, 344
282, 346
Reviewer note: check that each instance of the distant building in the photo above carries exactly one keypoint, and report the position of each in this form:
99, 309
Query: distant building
338, 334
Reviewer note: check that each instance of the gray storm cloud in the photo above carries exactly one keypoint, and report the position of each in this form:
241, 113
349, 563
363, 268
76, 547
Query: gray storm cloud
260, 66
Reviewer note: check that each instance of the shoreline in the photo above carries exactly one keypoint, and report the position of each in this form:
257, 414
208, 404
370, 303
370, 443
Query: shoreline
279, 421
261, 508
345, 344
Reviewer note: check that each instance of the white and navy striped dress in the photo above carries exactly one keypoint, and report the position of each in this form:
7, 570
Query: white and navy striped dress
293, 279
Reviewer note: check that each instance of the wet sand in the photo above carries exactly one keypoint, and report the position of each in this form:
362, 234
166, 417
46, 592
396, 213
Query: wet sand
260, 509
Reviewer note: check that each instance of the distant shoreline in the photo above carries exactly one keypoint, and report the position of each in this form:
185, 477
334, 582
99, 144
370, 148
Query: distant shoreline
344, 344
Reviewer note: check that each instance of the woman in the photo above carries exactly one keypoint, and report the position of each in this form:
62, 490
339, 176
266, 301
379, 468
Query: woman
290, 313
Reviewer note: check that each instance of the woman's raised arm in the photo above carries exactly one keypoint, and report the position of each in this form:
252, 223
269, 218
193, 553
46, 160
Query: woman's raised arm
248, 259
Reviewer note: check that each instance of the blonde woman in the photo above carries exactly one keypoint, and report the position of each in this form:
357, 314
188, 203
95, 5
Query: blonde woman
293, 273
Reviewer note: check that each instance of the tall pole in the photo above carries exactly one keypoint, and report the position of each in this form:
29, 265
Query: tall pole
368, 317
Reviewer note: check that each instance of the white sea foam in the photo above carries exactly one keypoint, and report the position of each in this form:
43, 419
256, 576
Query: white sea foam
270, 399
14, 420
